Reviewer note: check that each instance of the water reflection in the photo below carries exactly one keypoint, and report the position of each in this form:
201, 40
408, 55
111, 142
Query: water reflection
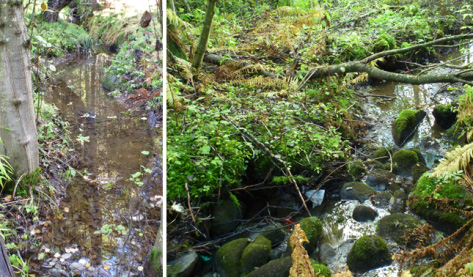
104, 213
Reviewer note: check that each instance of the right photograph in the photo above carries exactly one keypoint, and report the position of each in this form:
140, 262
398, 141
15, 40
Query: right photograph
319, 138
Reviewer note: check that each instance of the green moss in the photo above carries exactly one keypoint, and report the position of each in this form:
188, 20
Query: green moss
228, 256
447, 222
356, 169
405, 125
383, 154
405, 159
312, 226
356, 191
320, 269
283, 180
393, 226
367, 253
418, 170
420, 157
444, 115
154, 257
255, 254
384, 42
276, 268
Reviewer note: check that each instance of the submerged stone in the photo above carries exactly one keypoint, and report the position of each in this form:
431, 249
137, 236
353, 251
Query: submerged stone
405, 125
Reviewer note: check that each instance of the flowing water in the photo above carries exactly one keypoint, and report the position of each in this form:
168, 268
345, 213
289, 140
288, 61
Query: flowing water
106, 222
340, 229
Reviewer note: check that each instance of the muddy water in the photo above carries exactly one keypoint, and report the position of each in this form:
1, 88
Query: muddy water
107, 222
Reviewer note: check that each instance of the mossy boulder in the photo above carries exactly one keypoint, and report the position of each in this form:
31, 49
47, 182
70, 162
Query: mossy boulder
228, 257
382, 199
312, 227
320, 269
383, 154
445, 117
364, 213
356, 191
368, 252
405, 125
447, 222
380, 179
420, 157
356, 169
183, 266
405, 159
394, 226
225, 217
392, 167
276, 268
418, 170
255, 254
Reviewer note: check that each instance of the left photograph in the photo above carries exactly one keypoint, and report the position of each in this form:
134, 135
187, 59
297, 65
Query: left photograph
81, 114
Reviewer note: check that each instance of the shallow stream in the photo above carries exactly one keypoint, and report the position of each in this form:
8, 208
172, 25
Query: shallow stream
107, 223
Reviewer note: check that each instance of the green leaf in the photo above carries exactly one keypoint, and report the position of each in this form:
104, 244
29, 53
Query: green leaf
205, 150
52, 67
145, 153
342, 69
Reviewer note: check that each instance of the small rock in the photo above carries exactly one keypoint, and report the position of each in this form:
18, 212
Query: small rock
76, 266
66, 256
103, 272
363, 213
83, 261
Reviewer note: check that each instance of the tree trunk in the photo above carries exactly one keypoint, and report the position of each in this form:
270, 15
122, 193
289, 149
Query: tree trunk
54, 8
204, 36
17, 122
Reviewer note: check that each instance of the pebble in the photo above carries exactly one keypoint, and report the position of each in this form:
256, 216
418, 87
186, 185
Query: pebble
76, 266
83, 261
103, 272
66, 256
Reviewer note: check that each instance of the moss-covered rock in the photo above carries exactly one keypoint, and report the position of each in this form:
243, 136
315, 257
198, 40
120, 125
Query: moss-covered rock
275, 233
418, 170
225, 217
255, 254
276, 268
393, 226
356, 191
312, 226
399, 203
455, 134
367, 253
405, 159
383, 154
228, 257
320, 269
364, 213
356, 169
405, 125
380, 179
420, 157
183, 266
444, 115
392, 167
382, 199
445, 221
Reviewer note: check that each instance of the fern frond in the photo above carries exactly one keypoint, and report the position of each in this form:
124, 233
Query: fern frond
265, 83
301, 265
455, 160
173, 19
375, 62
173, 94
289, 11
